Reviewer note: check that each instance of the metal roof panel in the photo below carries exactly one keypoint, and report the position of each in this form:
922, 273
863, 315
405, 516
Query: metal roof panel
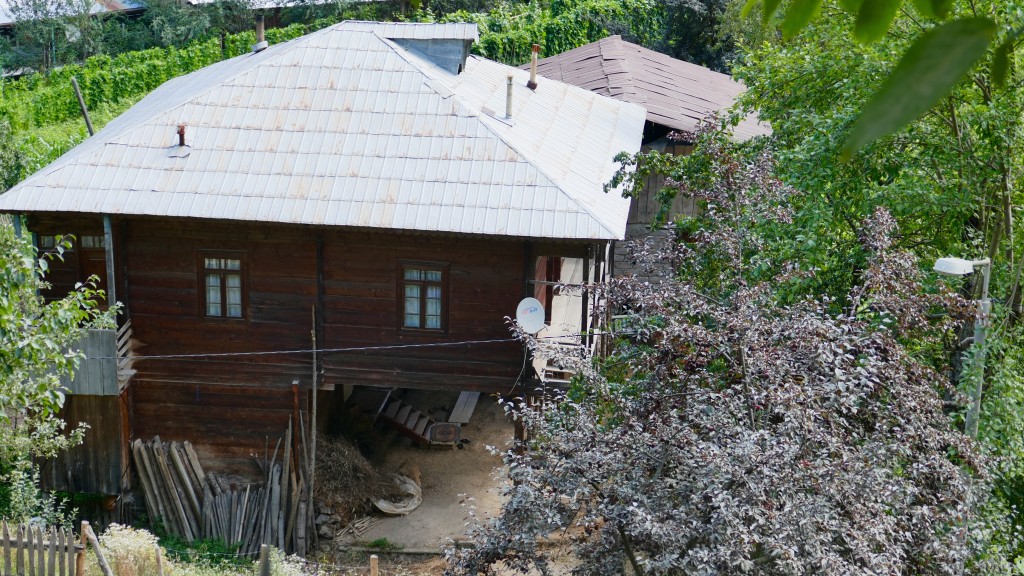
405, 145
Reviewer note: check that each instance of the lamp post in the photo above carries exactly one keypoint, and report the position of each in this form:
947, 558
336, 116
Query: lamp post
961, 267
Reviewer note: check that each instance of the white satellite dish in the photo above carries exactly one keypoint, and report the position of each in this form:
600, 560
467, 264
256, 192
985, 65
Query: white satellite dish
530, 315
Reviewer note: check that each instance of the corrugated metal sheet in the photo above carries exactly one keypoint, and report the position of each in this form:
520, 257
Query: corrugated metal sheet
675, 93
345, 128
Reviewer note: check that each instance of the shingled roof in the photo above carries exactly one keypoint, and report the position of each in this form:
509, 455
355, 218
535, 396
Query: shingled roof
675, 93
346, 127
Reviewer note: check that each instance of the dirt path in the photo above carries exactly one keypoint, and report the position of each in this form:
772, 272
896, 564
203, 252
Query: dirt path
449, 478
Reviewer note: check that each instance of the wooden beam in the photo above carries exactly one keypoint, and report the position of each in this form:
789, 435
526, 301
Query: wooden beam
108, 248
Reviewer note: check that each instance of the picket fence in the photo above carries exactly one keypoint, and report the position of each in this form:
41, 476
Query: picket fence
32, 551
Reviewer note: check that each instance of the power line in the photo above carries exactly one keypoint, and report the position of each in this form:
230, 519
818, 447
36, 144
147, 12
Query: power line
308, 351
318, 350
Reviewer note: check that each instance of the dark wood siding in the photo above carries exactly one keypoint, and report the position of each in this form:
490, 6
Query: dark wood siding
361, 300
96, 465
228, 406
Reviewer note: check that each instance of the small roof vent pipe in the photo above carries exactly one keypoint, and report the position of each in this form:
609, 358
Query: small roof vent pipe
261, 41
508, 98
181, 134
532, 84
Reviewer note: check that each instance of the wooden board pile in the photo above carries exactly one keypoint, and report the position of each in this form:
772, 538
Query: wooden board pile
196, 505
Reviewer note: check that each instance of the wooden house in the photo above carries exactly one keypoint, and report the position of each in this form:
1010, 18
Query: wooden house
676, 96
370, 191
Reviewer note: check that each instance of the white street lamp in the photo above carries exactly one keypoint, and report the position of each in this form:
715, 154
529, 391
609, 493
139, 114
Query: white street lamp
961, 267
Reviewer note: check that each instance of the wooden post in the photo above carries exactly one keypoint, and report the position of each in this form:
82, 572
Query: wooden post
7, 549
108, 246
31, 551
585, 307
264, 560
62, 542
312, 429
373, 565
80, 553
104, 567
159, 560
81, 104
51, 552
19, 549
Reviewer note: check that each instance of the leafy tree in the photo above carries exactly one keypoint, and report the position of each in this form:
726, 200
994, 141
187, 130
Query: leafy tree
175, 23
729, 433
951, 179
12, 161
37, 342
40, 29
510, 29
694, 33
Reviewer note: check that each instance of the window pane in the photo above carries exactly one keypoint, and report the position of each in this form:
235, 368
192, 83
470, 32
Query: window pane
412, 299
413, 274
210, 263
234, 296
433, 315
47, 241
412, 320
434, 275
92, 241
213, 304
232, 264
434, 300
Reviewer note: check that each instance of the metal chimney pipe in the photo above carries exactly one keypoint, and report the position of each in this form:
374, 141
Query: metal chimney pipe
181, 134
508, 98
532, 84
261, 41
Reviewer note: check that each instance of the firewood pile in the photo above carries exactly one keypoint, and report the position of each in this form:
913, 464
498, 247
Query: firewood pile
195, 505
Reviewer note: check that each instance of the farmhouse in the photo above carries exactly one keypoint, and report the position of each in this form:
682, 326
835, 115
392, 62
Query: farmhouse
369, 191
676, 95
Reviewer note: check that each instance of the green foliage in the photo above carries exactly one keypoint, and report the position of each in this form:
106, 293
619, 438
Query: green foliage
37, 342
383, 544
509, 30
930, 69
950, 178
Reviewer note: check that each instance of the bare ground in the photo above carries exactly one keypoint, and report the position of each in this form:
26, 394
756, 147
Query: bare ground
451, 479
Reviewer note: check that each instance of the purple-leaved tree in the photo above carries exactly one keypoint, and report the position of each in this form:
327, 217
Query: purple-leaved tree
736, 426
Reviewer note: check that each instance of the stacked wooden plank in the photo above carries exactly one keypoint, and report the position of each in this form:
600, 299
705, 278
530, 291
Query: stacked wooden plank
196, 505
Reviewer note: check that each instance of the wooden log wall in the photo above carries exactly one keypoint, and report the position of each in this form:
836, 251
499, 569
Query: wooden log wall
229, 405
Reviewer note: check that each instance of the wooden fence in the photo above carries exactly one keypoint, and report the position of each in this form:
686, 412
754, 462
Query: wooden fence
32, 551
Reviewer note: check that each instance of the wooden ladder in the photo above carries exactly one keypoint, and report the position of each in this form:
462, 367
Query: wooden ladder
408, 420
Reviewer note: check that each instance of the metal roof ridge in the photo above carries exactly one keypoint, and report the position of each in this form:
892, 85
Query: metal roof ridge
612, 46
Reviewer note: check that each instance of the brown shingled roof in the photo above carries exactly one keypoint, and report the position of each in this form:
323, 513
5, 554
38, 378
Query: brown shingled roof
676, 94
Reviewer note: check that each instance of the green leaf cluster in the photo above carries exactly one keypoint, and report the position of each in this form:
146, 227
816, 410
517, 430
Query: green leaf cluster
37, 346
509, 30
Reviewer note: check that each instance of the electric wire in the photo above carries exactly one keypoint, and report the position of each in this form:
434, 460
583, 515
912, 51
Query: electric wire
317, 350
